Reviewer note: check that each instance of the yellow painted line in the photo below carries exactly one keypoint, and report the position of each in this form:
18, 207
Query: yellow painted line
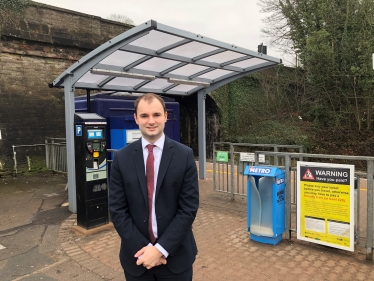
211, 171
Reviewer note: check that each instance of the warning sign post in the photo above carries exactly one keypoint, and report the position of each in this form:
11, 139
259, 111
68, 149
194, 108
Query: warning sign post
325, 204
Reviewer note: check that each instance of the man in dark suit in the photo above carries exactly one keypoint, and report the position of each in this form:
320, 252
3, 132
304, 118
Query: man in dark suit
153, 199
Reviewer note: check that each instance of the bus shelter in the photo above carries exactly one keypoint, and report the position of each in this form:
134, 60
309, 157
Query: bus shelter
156, 58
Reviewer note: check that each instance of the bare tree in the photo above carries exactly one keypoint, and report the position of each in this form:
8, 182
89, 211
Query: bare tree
276, 26
121, 18
334, 41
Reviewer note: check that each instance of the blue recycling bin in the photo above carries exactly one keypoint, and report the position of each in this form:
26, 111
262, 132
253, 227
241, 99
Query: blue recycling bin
265, 203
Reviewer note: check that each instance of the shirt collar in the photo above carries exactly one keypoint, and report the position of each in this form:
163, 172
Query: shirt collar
159, 143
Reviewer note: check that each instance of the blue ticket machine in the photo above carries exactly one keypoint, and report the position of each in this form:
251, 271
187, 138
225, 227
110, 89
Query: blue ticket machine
265, 203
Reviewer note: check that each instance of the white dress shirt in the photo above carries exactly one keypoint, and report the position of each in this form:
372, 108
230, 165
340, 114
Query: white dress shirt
157, 153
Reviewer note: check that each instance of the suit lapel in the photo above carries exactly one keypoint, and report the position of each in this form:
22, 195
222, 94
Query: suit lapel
140, 169
167, 153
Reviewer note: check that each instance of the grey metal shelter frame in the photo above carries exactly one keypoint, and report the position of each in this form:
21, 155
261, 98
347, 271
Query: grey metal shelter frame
156, 58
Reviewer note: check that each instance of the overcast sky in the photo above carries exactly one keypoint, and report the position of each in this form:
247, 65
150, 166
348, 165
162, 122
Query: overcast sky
235, 22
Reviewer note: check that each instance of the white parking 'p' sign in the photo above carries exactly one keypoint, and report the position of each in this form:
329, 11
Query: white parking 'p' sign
78, 130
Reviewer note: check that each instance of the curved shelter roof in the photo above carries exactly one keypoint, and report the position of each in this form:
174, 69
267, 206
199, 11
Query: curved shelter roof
161, 59
154, 57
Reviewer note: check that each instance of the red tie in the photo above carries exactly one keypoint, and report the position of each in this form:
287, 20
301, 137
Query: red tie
150, 172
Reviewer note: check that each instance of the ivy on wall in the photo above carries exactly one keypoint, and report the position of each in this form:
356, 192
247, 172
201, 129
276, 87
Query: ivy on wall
11, 9
14, 5
233, 100
240, 102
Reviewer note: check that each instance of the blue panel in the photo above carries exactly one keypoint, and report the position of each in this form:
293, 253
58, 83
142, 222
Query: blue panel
130, 118
122, 123
279, 197
80, 106
118, 138
262, 171
119, 125
172, 127
266, 240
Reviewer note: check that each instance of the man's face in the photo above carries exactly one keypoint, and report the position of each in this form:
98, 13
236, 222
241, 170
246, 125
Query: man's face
151, 119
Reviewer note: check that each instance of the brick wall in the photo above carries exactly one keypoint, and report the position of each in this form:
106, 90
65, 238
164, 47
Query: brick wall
34, 49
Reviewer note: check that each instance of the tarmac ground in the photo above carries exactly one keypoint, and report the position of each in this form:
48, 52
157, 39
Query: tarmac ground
38, 241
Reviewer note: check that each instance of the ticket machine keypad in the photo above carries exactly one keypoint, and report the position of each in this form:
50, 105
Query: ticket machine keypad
92, 147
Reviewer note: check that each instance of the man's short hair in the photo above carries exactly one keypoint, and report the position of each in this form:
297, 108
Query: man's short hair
149, 98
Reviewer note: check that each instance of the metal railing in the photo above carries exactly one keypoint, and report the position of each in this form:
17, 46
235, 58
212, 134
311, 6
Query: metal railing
55, 154
24, 155
228, 176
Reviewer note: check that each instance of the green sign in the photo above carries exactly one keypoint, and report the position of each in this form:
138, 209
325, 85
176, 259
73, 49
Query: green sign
222, 156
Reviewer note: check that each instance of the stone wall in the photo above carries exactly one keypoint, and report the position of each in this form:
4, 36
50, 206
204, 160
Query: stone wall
35, 49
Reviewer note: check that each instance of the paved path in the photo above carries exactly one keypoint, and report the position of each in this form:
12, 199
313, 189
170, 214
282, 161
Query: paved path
225, 250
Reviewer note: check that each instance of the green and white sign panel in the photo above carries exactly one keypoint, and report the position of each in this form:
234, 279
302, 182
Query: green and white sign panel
222, 156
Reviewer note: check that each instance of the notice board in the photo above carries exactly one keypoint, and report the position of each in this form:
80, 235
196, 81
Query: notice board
325, 204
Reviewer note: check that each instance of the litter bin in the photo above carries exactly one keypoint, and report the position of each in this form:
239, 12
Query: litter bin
265, 203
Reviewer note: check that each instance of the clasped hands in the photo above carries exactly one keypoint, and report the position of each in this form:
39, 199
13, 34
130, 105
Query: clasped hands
149, 256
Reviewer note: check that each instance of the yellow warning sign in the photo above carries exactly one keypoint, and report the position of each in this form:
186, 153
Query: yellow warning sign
325, 204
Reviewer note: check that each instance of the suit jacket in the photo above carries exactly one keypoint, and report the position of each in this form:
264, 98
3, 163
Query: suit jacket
176, 203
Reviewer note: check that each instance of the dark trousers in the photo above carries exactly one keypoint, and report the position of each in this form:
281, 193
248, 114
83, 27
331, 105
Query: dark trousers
160, 273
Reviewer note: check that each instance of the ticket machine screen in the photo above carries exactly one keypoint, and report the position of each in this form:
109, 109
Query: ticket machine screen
95, 134
95, 141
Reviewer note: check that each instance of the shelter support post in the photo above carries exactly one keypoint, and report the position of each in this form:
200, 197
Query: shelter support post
69, 119
232, 171
276, 156
369, 231
288, 196
201, 95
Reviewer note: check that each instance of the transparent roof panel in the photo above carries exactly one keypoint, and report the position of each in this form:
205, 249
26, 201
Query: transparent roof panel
156, 51
223, 57
249, 62
121, 58
188, 69
156, 40
183, 88
215, 74
123, 81
157, 64
157, 84
91, 78
192, 49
